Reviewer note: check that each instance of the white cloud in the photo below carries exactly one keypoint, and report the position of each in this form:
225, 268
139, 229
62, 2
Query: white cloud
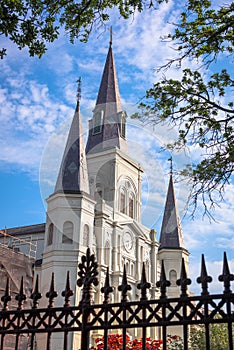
214, 269
28, 116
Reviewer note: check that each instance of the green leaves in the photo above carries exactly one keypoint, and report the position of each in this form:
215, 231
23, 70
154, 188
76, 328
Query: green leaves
33, 23
218, 337
201, 102
205, 31
27, 23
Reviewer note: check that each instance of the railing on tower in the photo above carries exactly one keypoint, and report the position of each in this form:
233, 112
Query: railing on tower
144, 314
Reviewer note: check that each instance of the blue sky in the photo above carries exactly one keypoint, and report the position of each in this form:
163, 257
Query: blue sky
37, 101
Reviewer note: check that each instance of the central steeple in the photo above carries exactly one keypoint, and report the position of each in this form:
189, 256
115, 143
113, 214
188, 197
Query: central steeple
109, 89
107, 128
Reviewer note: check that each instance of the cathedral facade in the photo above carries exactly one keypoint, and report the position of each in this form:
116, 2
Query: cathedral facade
97, 203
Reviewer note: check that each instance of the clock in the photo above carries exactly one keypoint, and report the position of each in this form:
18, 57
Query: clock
128, 241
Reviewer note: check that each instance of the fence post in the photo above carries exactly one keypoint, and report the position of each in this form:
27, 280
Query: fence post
88, 275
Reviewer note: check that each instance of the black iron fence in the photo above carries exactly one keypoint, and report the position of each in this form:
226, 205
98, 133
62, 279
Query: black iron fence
87, 318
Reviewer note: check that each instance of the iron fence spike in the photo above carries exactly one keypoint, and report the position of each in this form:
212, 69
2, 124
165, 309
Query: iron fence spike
143, 285
21, 297
124, 287
6, 297
204, 279
226, 276
52, 294
183, 281
36, 295
163, 283
107, 289
68, 292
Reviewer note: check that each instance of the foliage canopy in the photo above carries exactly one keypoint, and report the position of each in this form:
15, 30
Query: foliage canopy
34, 23
200, 103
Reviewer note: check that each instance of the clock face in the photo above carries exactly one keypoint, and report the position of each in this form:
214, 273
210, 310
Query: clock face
128, 241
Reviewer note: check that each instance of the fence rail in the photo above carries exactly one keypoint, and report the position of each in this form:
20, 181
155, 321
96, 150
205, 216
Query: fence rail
205, 309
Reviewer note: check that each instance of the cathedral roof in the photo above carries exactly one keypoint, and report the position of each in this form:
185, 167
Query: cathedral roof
22, 230
171, 235
107, 127
73, 174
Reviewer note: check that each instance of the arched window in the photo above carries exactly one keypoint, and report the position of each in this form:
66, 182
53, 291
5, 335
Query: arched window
86, 235
67, 232
173, 277
50, 234
122, 204
127, 196
131, 206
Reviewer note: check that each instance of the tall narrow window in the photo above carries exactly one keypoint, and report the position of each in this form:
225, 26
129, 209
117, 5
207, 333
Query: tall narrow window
131, 207
122, 202
97, 122
86, 235
122, 123
50, 234
67, 232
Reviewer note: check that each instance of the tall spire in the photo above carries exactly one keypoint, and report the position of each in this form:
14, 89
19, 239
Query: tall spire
109, 89
107, 127
73, 174
171, 235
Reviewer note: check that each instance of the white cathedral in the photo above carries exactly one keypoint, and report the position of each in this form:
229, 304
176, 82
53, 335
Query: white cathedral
97, 203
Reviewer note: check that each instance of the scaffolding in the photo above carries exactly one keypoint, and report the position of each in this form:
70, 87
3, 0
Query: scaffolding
26, 246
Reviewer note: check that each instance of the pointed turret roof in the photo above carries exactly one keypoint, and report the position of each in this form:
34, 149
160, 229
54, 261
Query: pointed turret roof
109, 89
171, 235
73, 174
107, 127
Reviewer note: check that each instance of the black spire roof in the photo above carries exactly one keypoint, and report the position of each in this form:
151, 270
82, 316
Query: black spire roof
171, 235
107, 127
73, 174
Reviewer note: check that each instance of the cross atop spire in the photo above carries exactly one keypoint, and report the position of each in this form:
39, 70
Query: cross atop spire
78, 95
171, 165
111, 34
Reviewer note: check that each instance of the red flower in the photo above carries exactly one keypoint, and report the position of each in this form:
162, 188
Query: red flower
115, 342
